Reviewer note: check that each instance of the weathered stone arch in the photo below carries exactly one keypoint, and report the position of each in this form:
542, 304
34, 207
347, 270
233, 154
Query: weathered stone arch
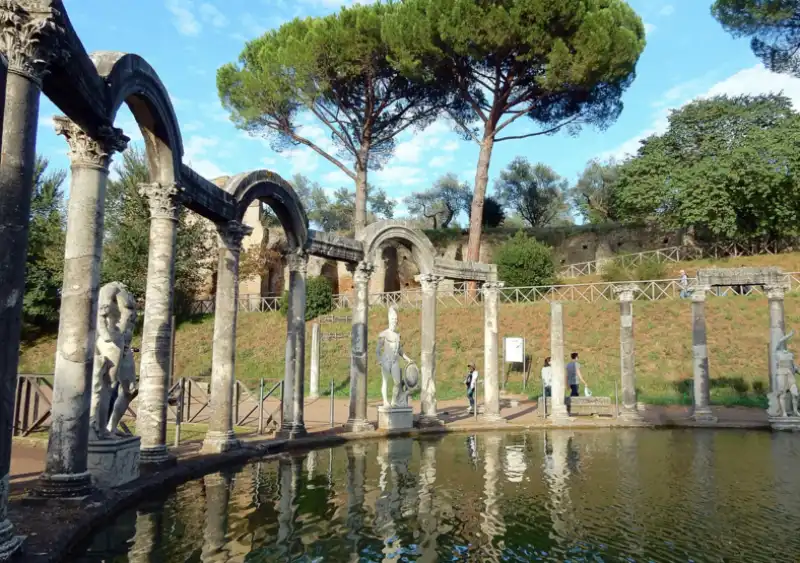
374, 236
130, 79
281, 197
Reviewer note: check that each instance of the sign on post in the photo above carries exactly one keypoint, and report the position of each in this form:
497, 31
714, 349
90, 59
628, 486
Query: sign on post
514, 353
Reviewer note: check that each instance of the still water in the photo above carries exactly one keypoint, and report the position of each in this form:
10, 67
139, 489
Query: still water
610, 495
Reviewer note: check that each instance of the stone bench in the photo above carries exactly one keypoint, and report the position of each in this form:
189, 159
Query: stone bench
582, 406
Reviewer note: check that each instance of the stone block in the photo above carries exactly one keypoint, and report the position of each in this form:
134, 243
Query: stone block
114, 462
785, 423
395, 418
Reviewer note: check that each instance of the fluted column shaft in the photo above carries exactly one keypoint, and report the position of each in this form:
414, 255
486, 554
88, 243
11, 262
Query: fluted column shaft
491, 379
428, 414
66, 472
293, 425
220, 436
357, 420
27, 39
151, 420
558, 370
777, 328
702, 390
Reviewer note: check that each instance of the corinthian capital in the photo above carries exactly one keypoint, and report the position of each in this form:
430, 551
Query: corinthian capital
164, 200
362, 273
86, 151
429, 282
297, 260
30, 37
493, 286
232, 233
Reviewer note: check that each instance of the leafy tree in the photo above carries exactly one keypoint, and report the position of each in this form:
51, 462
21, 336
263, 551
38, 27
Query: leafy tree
44, 269
728, 166
593, 194
560, 63
441, 203
127, 236
534, 192
523, 261
319, 298
337, 71
772, 25
493, 213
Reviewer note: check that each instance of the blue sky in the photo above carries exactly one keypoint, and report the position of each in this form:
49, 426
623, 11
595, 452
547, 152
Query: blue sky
688, 55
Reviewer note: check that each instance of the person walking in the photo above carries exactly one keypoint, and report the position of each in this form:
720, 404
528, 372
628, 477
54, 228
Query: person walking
574, 375
470, 381
684, 285
547, 377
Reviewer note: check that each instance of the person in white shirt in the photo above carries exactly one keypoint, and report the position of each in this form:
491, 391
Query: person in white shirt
547, 377
471, 379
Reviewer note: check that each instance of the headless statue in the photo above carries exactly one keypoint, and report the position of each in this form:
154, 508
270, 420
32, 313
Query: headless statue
786, 385
113, 359
389, 353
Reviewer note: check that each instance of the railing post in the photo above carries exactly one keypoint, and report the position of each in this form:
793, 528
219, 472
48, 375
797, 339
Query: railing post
261, 407
236, 396
282, 384
616, 400
179, 413
332, 391
477, 388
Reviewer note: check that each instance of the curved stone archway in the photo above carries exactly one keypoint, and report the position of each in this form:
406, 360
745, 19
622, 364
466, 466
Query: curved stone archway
279, 195
375, 235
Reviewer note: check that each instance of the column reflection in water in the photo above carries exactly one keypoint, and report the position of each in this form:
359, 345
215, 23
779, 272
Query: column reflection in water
703, 474
492, 526
218, 492
149, 521
556, 473
311, 464
427, 513
356, 470
629, 490
289, 475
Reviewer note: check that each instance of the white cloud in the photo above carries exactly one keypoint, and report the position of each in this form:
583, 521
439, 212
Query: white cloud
207, 169
649, 28
47, 121
750, 81
184, 19
337, 178
394, 176
440, 161
667, 10
451, 146
194, 153
212, 15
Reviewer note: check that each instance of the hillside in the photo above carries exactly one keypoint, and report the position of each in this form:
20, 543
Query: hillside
737, 338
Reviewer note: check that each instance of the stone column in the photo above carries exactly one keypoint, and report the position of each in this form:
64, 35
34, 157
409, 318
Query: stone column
66, 473
293, 381
777, 327
702, 396
558, 369
359, 355
316, 337
220, 436
428, 416
491, 381
27, 41
626, 351
151, 421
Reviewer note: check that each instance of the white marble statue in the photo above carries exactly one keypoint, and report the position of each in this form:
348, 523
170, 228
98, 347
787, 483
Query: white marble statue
113, 359
786, 384
390, 351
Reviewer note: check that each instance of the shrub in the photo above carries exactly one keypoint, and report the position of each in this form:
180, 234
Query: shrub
651, 269
319, 298
523, 261
618, 270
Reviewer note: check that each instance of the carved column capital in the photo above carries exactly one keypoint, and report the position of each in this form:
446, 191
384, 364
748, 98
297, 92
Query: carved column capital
625, 292
699, 293
775, 292
362, 272
231, 234
493, 286
429, 282
86, 151
30, 38
297, 261
164, 200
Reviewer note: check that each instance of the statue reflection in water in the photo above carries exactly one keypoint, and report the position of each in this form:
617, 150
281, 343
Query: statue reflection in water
394, 502
472, 450
557, 469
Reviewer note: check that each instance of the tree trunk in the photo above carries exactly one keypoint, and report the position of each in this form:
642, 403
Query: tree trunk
360, 220
478, 197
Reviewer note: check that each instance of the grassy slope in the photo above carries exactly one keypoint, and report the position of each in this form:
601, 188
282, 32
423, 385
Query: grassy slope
737, 339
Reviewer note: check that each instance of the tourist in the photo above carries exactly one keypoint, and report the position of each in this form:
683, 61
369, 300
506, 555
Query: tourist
684, 284
471, 379
547, 377
573, 375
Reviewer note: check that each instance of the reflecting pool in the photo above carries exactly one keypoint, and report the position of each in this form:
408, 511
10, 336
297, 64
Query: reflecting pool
605, 495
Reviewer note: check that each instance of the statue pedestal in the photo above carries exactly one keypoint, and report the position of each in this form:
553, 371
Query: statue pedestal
115, 461
785, 423
395, 418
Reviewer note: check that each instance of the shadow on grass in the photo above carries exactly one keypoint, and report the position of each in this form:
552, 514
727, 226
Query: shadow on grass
724, 391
